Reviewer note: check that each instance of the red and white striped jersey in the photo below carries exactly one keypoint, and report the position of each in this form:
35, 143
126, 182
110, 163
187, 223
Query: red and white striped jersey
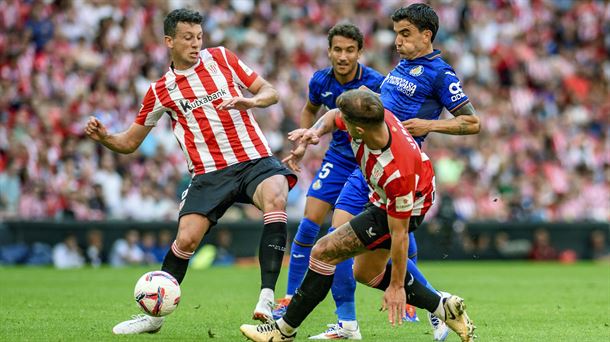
211, 139
400, 176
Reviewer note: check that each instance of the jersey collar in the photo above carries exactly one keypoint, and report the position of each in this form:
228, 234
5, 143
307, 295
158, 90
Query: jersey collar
357, 77
432, 55
186, 71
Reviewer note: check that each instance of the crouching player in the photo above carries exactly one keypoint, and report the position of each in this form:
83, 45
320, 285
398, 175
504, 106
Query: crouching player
400, 180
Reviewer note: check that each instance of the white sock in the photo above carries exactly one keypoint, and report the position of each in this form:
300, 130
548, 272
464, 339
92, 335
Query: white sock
349, 325
267, 294
285, 328
440, 310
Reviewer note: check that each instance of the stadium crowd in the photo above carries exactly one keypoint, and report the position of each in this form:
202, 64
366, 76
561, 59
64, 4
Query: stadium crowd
538, 73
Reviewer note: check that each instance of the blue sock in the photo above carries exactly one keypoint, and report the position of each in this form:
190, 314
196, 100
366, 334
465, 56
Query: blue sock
344, 288
300, 252
412, 253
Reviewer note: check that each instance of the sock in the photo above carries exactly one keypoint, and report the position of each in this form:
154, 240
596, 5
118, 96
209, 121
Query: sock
176, 262
301, 249
412, 252
418, 294
285, 328
343, 289
414, 270
267, 294
272, 247
313, 290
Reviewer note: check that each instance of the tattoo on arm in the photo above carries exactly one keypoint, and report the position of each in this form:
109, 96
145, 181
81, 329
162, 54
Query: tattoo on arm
467, 109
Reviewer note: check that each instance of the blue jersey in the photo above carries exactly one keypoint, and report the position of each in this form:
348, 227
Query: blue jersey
420, 88
324, 90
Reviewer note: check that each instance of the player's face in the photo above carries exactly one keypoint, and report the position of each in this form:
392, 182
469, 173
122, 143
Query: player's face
185, 46
343, 54
410, 42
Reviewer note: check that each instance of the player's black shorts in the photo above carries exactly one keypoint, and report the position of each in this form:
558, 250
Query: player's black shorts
211, 194
371, 227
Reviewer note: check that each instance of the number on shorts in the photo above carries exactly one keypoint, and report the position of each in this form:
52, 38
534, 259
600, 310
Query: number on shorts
325, 170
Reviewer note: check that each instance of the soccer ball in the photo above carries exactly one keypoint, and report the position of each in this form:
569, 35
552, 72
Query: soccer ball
157, 293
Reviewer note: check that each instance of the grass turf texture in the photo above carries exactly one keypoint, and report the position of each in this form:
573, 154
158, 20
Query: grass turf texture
508, 301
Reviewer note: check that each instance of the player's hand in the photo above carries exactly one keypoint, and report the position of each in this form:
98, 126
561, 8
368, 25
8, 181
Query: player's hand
394, 301
95, 129
295, 157
417, 127
304, 136
239, 103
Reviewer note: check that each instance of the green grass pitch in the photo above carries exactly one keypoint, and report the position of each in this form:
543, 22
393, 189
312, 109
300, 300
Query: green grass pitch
509, 301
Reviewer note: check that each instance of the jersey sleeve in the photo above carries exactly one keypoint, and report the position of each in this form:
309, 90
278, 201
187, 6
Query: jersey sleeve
242, 73
448, 90
151, 109
339, 121
400, 196
375, 82
314, 91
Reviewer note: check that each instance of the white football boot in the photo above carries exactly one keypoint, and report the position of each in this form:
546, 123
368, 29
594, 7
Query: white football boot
139, 324
338, 332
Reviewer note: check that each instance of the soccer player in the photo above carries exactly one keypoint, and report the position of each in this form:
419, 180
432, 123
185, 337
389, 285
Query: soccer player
416, 91
345, 43
227, 154
401, 182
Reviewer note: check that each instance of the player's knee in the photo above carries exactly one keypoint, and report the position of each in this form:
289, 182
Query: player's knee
276, 202
320, 251
361, 277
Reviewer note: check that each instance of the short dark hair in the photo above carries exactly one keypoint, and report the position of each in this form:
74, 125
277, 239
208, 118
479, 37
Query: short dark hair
421, 16
361, 107
176, 16
346, 30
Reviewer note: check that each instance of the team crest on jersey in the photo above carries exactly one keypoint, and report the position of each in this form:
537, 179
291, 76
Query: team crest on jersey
377, 172
418, 70
212, 67
317, 185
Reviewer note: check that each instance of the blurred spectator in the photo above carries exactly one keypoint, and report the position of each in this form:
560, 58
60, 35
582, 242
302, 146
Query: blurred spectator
599, 247
224, 256
95, 248
164, 243
67, 254
127, 251
511, 249
148, 245
537, 72
542, 250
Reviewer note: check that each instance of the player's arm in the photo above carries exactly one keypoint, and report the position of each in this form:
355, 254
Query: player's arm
308, 114
464, 122
264, 96
395, 297
125, 142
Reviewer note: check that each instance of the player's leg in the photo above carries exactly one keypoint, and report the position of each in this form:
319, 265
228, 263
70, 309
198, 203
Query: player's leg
350, 203
200, 208
266, 185
326, 254
374, 270
321, 196
315, 212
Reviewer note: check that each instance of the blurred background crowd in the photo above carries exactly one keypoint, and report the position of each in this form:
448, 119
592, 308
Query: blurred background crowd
537, 72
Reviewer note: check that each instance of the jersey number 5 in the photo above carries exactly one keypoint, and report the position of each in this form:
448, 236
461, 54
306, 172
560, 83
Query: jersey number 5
325, 170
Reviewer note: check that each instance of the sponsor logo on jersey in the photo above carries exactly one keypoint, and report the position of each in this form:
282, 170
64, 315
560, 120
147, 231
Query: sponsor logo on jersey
317, 185
188, 106
418, 70
327, 94
404, 203
455, 88
404, 86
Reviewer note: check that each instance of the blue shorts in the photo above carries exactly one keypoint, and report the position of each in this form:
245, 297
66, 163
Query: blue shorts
331, 177
354, 195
